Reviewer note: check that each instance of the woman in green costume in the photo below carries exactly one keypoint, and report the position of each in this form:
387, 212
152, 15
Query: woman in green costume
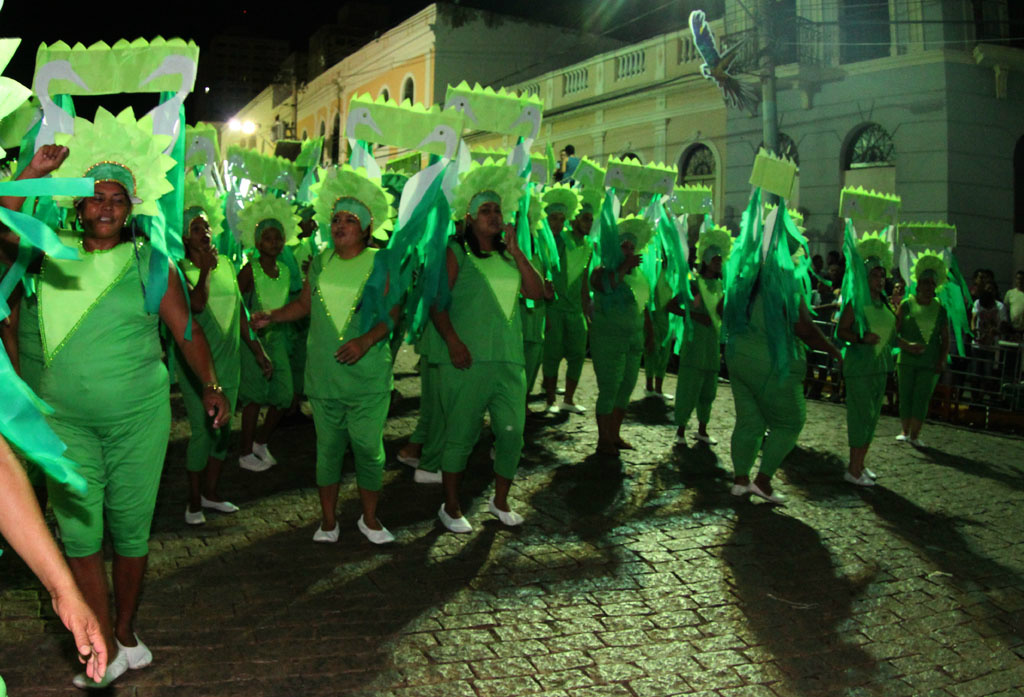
103, 373
655, 335
483, 335
868, 325
922, 329
216, 305
348, 370
700, 360
265, 284
534, 314
617, 333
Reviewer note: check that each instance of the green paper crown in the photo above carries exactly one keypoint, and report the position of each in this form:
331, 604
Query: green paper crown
488, 176
773, 174
200, 145
126, 143
937, 235
656, 177
12, 94
496, 111
930, 260
405, 125
869, 206
198, 196
561, 194
267, 207
346, 182
481, 154
876, 245
127, 66
266, 170
589, 175
692, 199
717, 237
639, 228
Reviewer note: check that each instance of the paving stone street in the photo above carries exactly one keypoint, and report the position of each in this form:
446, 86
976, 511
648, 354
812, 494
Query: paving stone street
644, 578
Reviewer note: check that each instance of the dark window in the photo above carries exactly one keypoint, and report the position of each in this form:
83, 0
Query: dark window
697, 166
409, 90
336, 138
873, 147
863, 30
1018, 187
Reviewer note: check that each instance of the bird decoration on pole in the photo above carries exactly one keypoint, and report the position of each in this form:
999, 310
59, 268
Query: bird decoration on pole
716, 66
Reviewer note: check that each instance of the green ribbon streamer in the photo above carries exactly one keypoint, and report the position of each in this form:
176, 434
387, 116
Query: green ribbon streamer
49, 186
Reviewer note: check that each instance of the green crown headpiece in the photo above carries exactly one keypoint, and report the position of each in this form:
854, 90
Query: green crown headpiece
640, 229
560, 195
490, 177
267, 211
716, 241
591, 200
796, 216
876, 250
266, 170
937, 235
201, 145
589, 175
121, 149
630, 175
691, 199
352, 190
496, 111
200, 199
405, 125
869, 209
773, 174
930, 264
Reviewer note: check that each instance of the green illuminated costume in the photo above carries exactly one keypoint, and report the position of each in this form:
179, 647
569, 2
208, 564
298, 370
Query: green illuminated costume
534, 322
866, 368
700, 359
656, 356
268, 294
566, 331
916, 374
617, 340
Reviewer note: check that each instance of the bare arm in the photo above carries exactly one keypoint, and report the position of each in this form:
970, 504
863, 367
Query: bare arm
457, 351
44, 161
808, 332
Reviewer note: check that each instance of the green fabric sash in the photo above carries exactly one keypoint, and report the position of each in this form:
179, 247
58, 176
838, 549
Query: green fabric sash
71, 289
881, 322
271, 293
502, 278
711, 293
341, 286
925, 317
577, 256
222, 302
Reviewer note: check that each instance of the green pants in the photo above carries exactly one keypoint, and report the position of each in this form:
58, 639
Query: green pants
428, 401
298, 333
616, 367
256, 389
764, 401
358, 422
430, 428
864, 397
915, 389
205, 442
533, 351
495, 387
695, 388
121, 464
565, 337
656, 359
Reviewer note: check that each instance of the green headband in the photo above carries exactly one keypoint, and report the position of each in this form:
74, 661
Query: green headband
480, 199
555, 208
710, 253
114, 172
356, 208
266, 224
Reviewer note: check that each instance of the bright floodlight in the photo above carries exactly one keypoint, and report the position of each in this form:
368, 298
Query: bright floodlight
248, 128
235, 125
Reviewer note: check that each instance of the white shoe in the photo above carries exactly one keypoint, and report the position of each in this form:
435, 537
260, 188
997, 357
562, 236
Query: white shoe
560, 390
138, 656
425, 477
253, 464
739, 490
219, 506
680, 440
509, 518
774, 497
705, 439
862, 480
902, 438
573, 408
196, 518
377, 537
668, 396
552, 409
457, 525
322, 535
260, 451
407, 460
115, 669
870, 473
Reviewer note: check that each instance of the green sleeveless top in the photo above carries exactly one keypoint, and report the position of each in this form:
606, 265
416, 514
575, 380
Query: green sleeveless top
485, 308
269, 294
574, 258
101, 349
336, 288
868, 359
220, 320
922, 324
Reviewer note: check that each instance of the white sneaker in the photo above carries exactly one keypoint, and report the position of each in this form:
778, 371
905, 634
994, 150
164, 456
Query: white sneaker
668, 396
573, 408
870, 473
196, 518
862, 480
425, 477
408, 460
328, 536
705, 439
253, 464
652, 393
552, 409
219, 506
377, 537
457, 525
260, 451
774, 497
115, 669
902, 438
739, 489
138, 656
509, 518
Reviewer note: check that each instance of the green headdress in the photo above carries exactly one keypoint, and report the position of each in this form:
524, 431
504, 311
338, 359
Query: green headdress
869, 210
201, 200
637, 228
716, 241
562, 199
875, 249
590, 176
489, 181
930, 264
263, 212
121, 149
352, 190
591, 200
691, 199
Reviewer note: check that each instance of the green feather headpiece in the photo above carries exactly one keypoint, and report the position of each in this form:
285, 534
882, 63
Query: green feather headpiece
345, 183
482, 154
489, 177
640, 229
122, 149
199, 199
591, 200
263, 210
717, 241
930, 264
876, 250
567, 198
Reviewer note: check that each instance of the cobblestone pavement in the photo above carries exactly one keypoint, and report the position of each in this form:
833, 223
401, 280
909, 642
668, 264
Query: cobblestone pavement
644, 578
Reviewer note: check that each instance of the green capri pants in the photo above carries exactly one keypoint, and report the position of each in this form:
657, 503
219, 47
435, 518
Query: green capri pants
121, 464
616, 367
277, 391
533, 352
205, 442
864, 397
656, 359
915, 389
494, 386
565, 337
763, 401
430, 427
359, 422
695, 388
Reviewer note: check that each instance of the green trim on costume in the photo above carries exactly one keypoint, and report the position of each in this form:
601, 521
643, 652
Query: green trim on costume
271, 293
342, 297
503, 280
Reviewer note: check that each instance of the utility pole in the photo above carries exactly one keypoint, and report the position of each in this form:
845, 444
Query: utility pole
765, 28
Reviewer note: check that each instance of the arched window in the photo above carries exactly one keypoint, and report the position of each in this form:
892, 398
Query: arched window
1018, 187
323, 132
305, 134
871, 147
409, 90
335, 138
631, 156
697, 166
385, 93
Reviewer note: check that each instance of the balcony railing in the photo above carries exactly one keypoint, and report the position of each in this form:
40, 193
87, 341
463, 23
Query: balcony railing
630, 64
575, 81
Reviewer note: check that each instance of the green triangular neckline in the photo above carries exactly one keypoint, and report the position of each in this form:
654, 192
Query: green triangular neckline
502, 279
344, 280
